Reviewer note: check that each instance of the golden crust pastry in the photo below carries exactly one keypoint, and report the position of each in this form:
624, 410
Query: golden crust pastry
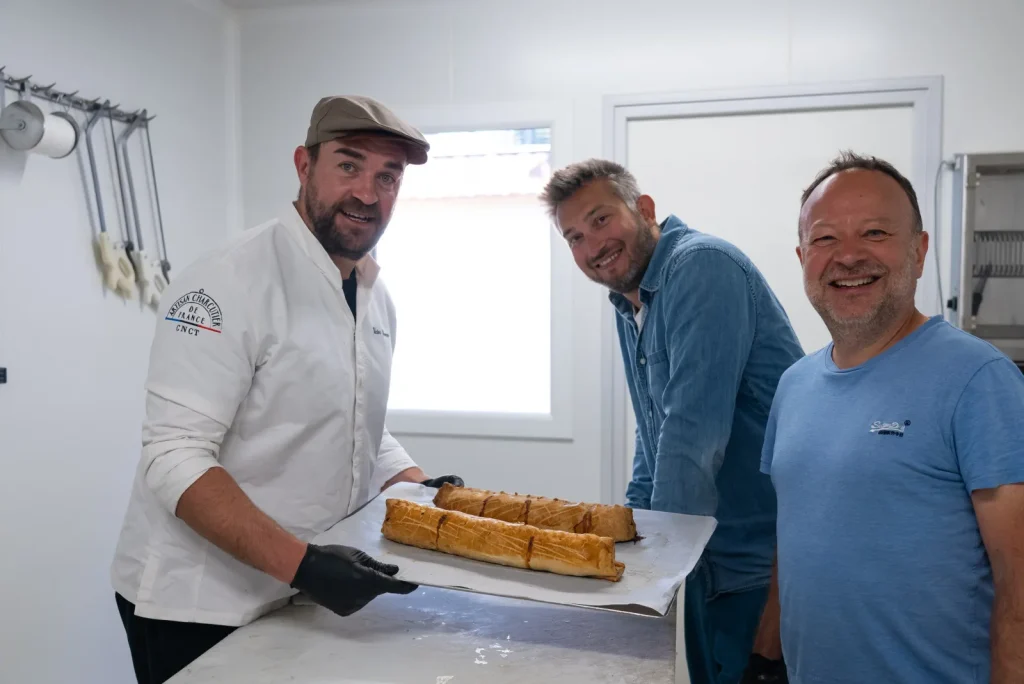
550, 514
504, 543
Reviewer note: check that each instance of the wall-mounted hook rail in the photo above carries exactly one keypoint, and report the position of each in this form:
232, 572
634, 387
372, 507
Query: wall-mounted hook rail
124, 263
26, 88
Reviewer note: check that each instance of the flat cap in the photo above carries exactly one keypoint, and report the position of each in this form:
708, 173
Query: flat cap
339, 115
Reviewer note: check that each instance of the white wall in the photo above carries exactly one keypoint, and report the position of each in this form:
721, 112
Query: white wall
70, 415
422, 54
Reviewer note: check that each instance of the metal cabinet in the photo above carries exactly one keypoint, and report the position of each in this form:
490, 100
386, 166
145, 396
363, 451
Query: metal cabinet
987, 295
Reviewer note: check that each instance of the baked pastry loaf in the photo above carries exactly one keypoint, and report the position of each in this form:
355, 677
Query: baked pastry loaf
500, 542
550, 514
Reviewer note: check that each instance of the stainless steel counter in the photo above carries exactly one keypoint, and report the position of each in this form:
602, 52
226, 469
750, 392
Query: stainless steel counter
436, 636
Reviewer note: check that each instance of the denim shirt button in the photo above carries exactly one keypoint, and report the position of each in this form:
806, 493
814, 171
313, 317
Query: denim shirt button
643, 361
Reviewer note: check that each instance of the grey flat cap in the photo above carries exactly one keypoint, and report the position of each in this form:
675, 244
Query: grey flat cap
338, 115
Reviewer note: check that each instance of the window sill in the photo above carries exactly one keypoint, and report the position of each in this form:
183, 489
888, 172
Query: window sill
528, 426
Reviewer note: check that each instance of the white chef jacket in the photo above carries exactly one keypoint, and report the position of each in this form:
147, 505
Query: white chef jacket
257, 365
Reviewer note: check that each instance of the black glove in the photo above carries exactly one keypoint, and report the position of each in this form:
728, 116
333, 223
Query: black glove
344, 579
761, 670
436, 482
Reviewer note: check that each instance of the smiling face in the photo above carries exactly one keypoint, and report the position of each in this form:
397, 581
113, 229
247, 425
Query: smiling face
348, 191
610, 243
861, 253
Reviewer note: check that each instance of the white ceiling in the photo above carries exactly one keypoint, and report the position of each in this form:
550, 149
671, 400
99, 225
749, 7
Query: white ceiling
253, 4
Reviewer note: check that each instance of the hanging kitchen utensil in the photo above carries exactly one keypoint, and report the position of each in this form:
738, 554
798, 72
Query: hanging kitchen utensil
126, 233
165, 264
118, 272
3, 88
24, 126
147, 271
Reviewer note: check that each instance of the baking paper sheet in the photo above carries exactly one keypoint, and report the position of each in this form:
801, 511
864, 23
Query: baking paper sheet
655, 566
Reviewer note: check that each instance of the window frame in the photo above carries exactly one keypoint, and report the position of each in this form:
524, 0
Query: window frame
556, 425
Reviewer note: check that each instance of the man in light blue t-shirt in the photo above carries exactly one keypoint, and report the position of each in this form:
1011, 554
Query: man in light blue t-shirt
897, 455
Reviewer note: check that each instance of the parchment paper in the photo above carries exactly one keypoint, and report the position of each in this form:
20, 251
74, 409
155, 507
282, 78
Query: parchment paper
655, 566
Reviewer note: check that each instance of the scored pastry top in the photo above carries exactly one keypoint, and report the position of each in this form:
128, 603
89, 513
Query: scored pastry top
543, 512
504, 543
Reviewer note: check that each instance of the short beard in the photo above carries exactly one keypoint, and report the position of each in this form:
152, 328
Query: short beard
862, 331
326, 232
643, 249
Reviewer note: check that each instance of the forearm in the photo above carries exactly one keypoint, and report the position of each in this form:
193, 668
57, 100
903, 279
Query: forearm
768, 640
638, 495
708, 352
1007, 636
684, 478
1000, 513
638, 491
217, 508
413, 474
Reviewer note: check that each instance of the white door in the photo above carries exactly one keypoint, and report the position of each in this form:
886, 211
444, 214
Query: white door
740, 178
739, 175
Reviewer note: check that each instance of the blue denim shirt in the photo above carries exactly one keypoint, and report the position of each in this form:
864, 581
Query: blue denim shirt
702, 371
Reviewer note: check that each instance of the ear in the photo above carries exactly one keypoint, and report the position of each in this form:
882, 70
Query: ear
302, 163
645, 205
921, 247
800, 238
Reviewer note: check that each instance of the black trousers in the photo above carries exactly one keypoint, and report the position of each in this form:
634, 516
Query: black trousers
161, 648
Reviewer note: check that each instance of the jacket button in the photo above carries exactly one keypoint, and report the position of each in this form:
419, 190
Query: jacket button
643, 361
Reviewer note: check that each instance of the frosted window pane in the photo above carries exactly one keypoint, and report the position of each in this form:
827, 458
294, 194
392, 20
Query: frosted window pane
469, 271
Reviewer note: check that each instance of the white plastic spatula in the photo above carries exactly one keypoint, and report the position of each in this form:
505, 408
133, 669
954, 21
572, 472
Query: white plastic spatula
118, 272
147, 270
165, 264
151, 280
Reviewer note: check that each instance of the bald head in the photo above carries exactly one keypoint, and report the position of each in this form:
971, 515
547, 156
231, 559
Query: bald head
862, 195
849, 161
862, 249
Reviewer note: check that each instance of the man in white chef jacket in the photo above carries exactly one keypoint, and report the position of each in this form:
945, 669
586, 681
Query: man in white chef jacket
265, 404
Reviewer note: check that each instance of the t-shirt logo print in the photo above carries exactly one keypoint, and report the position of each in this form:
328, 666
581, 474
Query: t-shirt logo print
895, 428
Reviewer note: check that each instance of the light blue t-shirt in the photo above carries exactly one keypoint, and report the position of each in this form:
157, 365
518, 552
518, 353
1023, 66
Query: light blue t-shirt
883, 575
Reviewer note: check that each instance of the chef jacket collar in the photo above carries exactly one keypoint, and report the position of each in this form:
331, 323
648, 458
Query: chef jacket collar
366, 268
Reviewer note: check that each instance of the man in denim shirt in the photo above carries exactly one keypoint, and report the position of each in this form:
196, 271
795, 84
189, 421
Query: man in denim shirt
704, 341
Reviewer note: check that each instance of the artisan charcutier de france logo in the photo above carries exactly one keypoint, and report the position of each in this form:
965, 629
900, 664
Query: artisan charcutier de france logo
194, 312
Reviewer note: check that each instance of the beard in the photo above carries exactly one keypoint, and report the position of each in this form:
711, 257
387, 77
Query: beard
334, 240
870, 324
639, 254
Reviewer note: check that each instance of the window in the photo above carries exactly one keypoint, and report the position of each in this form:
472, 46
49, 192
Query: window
467, 259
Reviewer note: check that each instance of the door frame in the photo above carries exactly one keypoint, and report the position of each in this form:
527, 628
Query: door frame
924, 95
